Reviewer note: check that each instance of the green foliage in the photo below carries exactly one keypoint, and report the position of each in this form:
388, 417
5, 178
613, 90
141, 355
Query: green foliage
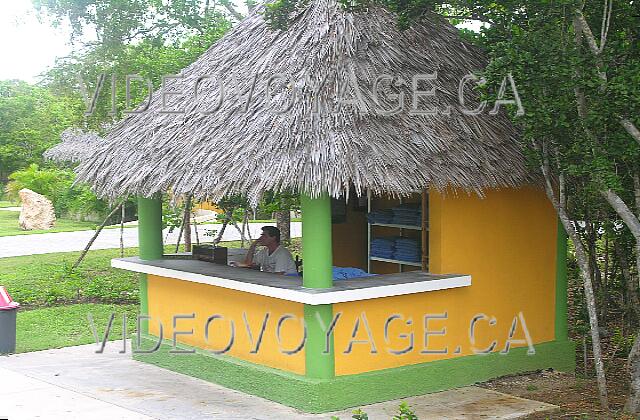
52, 183
405, 413
284, 201
31, 120
171, 216
147, 38
44, 280
623, 344
279, 13
57, 185
359, 415
233, 207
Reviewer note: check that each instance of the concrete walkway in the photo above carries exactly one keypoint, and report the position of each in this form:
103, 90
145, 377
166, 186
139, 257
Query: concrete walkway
75, 382
45, 243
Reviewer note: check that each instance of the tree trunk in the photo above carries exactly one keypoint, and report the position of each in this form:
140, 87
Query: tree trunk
585, 272
122, 216
632, 404
222, 229
283, 222
187, 224
631, 129
86, 248
633, 300
243, 238
227, 219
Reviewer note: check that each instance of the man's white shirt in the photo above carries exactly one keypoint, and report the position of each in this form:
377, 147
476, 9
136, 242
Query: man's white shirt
280, 261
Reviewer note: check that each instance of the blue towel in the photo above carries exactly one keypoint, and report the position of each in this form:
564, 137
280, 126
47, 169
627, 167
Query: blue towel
344, 273
380, 216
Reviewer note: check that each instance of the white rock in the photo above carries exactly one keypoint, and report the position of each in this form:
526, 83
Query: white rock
37, 211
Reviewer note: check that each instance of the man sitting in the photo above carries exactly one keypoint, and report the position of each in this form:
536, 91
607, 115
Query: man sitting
273, 258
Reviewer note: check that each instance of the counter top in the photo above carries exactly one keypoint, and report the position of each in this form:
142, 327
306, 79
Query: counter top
290, 288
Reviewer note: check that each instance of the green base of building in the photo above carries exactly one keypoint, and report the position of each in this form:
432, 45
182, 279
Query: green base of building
323, 395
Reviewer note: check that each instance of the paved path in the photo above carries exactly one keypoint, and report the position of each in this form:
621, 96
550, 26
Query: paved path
76, 383
45, 243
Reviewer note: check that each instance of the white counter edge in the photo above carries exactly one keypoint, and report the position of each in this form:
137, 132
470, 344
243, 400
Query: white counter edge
309, 298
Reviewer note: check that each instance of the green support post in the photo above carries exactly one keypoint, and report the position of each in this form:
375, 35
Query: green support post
150, 228
150, 244
316, 242
561, 331
317, 273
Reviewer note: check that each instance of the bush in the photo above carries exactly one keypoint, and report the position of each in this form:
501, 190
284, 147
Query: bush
57, 185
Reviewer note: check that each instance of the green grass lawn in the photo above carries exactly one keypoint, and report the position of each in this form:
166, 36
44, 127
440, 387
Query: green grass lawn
62, 326
4, 203
9, 225
43, 280
47, 279
55, 300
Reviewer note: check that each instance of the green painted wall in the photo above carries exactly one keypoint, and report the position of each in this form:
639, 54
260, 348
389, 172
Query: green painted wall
318, 362
150, 243
561, 329
323, 395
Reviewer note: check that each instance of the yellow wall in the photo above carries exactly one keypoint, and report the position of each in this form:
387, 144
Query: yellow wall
205, 205
506, 242
168, 297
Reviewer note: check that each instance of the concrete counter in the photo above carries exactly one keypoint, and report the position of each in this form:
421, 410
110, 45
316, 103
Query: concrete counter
290, 288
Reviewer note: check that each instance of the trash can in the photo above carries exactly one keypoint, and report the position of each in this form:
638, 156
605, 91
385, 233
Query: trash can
8, 312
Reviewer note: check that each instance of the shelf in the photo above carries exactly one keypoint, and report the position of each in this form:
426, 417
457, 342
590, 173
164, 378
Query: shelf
388, 260
391, 225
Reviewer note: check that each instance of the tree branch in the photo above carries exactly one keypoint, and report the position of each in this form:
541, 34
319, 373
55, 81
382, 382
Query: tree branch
631, 129
586, 30
620, 207
227, 4
606, 23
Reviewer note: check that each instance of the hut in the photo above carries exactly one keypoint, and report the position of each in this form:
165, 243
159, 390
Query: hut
76, 144
363, 120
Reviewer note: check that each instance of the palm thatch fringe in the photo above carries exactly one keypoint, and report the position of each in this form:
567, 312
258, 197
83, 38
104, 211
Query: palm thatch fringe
75, 146
328, 52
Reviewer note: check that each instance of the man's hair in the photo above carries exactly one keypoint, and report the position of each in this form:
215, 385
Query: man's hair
272, 231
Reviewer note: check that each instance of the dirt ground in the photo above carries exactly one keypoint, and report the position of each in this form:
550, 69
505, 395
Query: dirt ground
574, 394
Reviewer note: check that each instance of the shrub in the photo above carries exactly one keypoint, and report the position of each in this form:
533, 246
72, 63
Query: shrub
57, 185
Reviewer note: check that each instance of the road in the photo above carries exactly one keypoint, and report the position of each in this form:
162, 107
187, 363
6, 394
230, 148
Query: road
46, 243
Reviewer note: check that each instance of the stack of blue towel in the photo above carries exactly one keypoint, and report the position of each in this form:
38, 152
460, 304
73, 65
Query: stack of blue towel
407, 249
383, 247
407, 214
396, 248
380, 216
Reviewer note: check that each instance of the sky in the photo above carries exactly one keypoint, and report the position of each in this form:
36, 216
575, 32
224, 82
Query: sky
27, 46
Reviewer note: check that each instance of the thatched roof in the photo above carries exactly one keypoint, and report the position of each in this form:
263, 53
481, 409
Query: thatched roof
76, 146
230, 150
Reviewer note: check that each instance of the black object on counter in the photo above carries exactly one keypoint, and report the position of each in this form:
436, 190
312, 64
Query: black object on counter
208, 252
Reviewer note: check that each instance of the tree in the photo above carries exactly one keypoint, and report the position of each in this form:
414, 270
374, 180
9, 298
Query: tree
31, 121
148, 38
281, 204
